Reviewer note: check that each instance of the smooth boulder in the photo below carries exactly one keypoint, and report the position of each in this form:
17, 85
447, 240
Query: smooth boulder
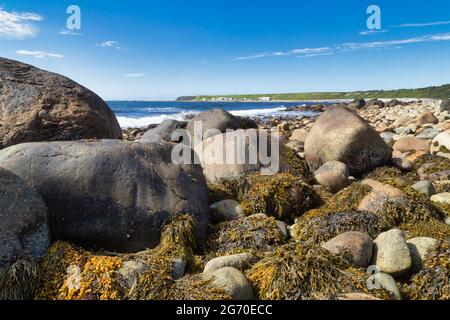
410, 144
230, 155
200, 127
333, 175
240, 261
357, 244
37, 105
232, 282
163, 132
391, 253
226, 210
24, 228
342, 135
111, 194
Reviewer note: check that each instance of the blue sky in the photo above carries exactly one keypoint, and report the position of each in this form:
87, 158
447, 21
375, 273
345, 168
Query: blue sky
158, 50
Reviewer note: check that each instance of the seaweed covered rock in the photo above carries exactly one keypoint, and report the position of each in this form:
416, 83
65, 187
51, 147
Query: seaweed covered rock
340, 134
257, 233
433, 168
37, 105
19, 280
391, 253
432, 229
296, 272
380, 195
433, 282
111, 194
211, 122
319, 227
357, 244
282, 196
71, 273
24, 231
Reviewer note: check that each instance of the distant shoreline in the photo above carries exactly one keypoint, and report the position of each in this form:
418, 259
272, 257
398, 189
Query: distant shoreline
432, 92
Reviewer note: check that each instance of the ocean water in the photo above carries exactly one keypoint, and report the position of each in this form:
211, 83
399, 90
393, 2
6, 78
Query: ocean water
138, 114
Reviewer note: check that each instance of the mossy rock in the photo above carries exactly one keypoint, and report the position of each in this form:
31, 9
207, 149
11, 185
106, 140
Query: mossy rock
19, 280
293, 164
282, 196
432, 167
255, 233
296, 272
319, 226
433, 282
71, 273
432, 229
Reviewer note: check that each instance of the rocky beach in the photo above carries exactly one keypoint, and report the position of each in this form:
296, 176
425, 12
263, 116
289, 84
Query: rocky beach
358, 210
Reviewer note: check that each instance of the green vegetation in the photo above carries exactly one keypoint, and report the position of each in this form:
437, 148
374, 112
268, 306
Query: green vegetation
440, 92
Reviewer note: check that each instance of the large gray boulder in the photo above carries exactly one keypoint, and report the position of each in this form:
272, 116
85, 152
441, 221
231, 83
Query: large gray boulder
217, 119
111, 194
36, 105
23, 220
340, 134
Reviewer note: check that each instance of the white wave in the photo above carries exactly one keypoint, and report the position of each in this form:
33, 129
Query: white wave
256, 112
130, 122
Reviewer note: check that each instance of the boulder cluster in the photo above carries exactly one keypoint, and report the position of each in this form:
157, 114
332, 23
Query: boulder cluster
357, 208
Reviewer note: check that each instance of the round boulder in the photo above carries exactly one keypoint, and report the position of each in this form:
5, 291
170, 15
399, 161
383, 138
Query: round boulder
340, 134
232, 281
111, 194
240, 261
391, 254
225, 210
163, 132
36, 105
358, 244
200, 127
333, 175
23, 220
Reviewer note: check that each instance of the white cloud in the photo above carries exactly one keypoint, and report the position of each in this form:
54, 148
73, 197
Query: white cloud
310, 55
393, 43
426, 24
351, 46
16, 25
294, 52
67, 32
372, 32
133, 75
39, 54
109, 44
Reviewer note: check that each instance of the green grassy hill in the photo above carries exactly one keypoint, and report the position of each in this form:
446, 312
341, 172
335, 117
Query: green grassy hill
440, 92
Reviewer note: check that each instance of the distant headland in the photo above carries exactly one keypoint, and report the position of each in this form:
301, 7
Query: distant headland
436, 92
